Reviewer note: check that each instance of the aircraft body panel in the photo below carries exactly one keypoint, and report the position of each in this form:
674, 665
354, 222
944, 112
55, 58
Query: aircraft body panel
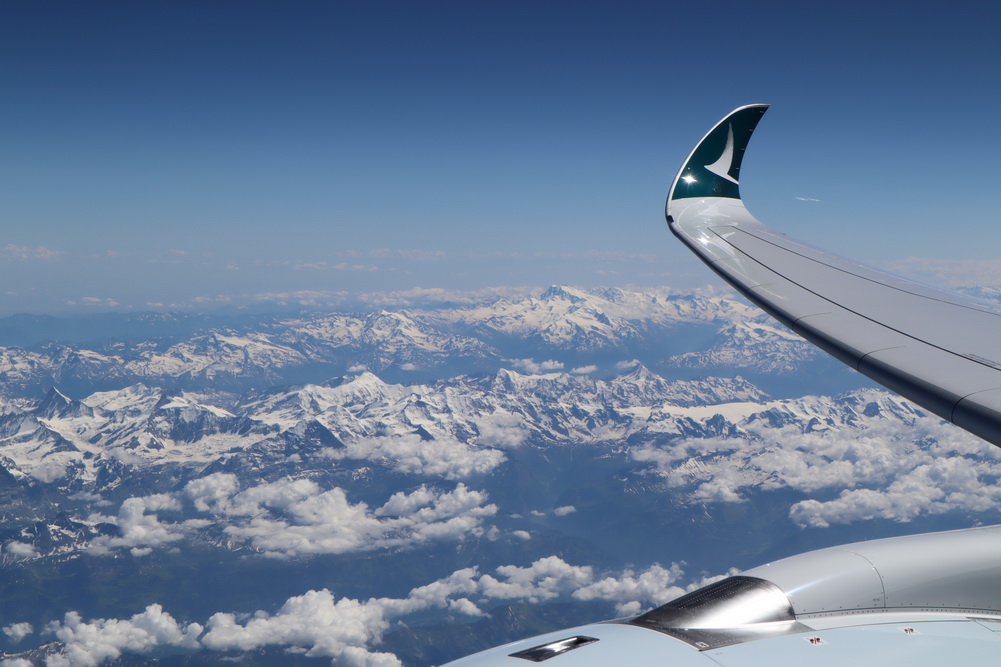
617, 644
951, 571
907, 642
911, 639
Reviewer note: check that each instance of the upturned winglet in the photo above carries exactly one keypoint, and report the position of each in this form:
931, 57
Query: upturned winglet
713, 167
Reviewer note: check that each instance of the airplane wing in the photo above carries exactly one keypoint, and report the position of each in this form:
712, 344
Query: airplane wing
939, 349
920, 600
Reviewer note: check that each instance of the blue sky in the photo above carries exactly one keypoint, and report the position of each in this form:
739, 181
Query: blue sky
198, 154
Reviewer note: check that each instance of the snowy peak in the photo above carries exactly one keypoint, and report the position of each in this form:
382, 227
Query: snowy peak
474, 337
55, 404
563, 293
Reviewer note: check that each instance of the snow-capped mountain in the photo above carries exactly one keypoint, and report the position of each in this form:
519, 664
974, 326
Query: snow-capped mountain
468, 463
758, 344
566, 318
559, 322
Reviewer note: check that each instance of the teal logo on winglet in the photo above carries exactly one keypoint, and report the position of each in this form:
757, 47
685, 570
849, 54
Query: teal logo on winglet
713, 170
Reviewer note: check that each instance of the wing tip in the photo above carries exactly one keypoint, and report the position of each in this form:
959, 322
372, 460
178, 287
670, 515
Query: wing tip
712, 169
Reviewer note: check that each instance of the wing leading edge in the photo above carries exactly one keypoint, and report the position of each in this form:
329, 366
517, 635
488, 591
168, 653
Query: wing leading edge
937, 348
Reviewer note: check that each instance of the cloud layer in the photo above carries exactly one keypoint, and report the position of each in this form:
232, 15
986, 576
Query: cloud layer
348, 631
863, 456
293, 518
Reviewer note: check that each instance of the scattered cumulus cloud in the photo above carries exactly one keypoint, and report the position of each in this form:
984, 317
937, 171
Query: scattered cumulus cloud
339, 629
20, 550
18, 631
501, 429
627, 365
346, 630
139, 525
94, 302
584, 370
530, 366
85, 644
289, 518
24, 253
16, 662
296, 517
864, 456
442, 457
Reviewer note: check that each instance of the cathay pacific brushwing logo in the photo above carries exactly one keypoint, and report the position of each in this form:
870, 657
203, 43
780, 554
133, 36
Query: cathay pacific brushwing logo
722, 166
713, 168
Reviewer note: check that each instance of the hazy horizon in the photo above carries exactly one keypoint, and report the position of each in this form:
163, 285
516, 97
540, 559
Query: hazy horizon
187, 155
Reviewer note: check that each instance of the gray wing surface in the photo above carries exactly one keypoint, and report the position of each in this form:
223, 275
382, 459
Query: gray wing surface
939, 349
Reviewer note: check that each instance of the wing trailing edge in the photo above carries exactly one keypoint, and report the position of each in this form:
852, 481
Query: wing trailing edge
936, 348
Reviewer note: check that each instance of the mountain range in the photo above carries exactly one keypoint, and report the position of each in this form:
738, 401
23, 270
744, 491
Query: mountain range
409, 485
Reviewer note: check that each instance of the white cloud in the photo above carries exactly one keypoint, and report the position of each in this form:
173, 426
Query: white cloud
881, 456
18, 631
25, 253
341, 629
20, 550
938, 486
545, 579
441, 457
95, 301
212, 493
627, 365
345, 629
357, 368
49, 471
563, 511
501, 429
89, 644
409, 367
530, 366
584, 370
629, 591
140, 526
295, 517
